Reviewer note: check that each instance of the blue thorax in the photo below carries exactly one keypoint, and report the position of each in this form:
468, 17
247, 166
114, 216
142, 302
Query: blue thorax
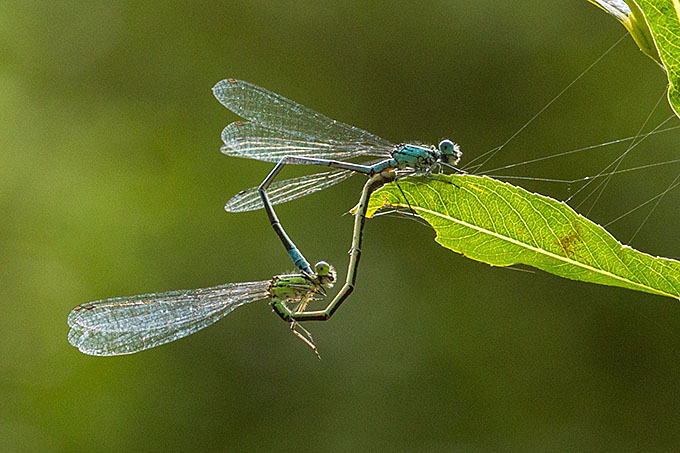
414, 156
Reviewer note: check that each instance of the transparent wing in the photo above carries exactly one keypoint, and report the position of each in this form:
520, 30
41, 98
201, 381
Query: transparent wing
270, 109
286, 190
123, 325
262, 142
102, 343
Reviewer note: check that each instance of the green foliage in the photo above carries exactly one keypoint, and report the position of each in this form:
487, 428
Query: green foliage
632, 18
663, 19
655, 27
501, 224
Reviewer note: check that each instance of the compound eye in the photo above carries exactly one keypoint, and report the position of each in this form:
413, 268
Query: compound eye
446, 146
322, 268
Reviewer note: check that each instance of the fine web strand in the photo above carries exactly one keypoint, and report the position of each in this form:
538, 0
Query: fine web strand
573, 151
635, 141
588, 178
596, 177
614, 162
659, 197
673, 185
619, 160
488, 155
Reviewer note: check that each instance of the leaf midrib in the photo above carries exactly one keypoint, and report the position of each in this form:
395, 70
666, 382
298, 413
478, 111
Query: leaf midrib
542, 251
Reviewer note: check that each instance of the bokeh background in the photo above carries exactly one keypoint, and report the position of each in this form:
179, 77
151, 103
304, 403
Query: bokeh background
112, 183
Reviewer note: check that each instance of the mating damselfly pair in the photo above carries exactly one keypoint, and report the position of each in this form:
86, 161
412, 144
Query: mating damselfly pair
282, 131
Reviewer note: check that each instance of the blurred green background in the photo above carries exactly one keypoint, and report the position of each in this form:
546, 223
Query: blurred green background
112, 183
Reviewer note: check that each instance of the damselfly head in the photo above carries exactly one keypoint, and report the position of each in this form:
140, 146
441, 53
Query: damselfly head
325, 273
450, 152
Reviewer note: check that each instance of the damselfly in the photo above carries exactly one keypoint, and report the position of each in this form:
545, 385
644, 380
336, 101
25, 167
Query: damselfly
123, 325
283, 131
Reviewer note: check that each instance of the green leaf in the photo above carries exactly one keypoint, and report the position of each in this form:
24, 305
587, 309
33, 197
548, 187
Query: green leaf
655, 27
663, 19
632, 18
500, 224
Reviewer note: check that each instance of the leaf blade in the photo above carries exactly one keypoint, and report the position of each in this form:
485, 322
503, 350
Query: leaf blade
633, 20
655, 28
663, 19
501, 224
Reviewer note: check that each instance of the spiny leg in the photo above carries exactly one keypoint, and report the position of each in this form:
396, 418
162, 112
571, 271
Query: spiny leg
309, 341
306, 335
428, 175
398, 213
405, 198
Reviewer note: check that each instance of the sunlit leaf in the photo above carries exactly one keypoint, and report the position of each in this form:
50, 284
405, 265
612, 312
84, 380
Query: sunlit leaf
500, 224
632, 18
655, 27
663, 19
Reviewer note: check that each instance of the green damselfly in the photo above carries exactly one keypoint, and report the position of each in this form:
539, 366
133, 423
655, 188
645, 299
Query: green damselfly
128, 324
124, 325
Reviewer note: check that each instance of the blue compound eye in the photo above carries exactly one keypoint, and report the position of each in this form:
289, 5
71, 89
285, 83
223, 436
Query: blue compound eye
446, 146
450, 152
